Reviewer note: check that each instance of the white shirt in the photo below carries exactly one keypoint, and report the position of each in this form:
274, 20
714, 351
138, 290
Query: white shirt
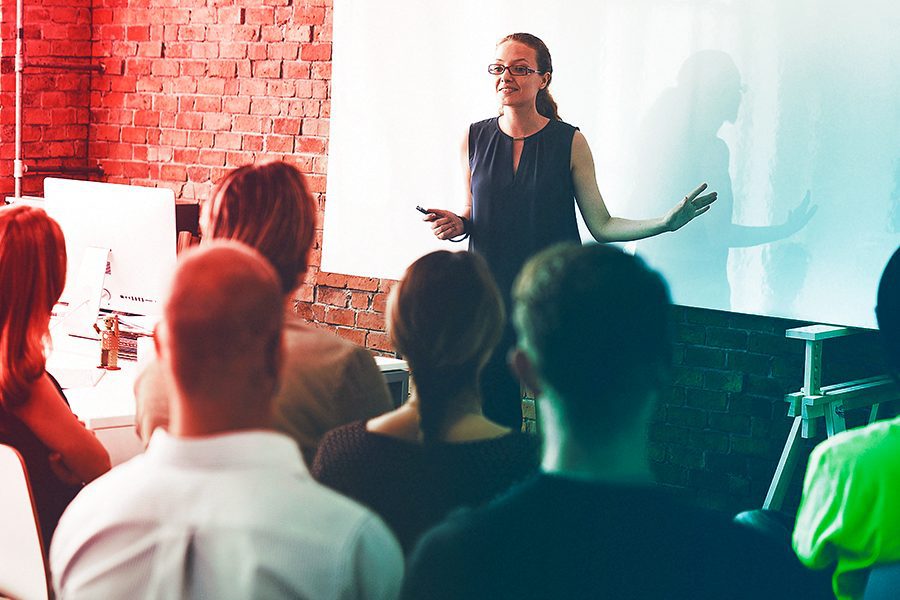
235, 515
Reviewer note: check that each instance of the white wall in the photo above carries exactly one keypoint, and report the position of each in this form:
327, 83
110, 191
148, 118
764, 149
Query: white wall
820, 112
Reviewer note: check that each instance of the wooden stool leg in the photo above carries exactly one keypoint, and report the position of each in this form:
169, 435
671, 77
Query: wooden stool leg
785, 469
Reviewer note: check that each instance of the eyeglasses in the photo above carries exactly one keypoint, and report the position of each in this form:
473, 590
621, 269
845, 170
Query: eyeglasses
516, 70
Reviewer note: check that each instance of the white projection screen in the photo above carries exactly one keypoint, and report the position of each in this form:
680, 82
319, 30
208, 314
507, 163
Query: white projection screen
768, 101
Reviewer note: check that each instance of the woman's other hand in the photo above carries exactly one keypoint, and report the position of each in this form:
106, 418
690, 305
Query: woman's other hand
693, 205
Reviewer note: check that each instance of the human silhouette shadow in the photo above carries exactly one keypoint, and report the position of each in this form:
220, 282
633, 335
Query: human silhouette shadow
679, 144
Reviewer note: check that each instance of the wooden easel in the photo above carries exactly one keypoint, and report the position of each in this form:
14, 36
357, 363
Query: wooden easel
815, 400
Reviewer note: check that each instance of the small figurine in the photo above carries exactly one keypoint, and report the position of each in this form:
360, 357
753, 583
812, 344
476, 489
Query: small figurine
109, 343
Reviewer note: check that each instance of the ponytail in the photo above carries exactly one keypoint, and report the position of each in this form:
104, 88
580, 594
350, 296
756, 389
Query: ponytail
546, 105
436, 388
445, 317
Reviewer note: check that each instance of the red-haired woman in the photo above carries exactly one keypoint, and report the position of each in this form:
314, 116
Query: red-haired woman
523, 169
60, 453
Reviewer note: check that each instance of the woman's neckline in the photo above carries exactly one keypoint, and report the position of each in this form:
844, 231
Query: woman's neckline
402, 434
523, 138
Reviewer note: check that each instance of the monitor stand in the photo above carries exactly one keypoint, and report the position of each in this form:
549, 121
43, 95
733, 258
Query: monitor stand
84, 300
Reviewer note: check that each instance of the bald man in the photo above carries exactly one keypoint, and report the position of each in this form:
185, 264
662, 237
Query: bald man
221, 505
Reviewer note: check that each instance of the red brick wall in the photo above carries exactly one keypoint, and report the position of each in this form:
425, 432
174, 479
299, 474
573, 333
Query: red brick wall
189, 90
718, 435
55, 102
192, 89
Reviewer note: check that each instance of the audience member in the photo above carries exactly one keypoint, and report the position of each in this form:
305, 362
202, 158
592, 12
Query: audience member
60, 454
594, 342
327, 381
437, 451
849, 517
220, 505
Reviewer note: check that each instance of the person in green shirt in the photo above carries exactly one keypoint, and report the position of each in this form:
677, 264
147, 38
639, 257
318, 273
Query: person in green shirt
849, 517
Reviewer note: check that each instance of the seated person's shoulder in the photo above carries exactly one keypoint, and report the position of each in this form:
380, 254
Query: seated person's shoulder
496, 523
347, 441
300, 335
465, 556
878, 443
844, 475
315, 358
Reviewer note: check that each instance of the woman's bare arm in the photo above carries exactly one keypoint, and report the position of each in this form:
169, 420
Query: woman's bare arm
48, 416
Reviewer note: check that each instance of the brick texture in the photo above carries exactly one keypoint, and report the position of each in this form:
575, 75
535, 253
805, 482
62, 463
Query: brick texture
191, 89
719, 432
55, 107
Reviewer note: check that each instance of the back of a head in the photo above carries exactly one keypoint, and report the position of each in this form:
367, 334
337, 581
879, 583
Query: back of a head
222, 321
712, 67
887, 311
32, 277
445, 318
595, 322
269, 208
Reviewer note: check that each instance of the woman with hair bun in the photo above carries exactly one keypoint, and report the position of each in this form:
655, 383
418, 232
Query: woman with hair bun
325, 381
437, 451
60, 454
523, 169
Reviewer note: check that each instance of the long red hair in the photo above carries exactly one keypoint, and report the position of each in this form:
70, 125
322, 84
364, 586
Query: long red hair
32, 277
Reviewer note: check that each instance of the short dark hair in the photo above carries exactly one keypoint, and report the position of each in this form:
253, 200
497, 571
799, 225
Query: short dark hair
596, 323
887, 312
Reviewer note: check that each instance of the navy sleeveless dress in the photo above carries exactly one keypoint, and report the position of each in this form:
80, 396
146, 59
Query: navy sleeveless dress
514, 216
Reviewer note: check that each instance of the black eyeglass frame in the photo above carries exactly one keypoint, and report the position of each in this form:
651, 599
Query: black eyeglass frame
526, 70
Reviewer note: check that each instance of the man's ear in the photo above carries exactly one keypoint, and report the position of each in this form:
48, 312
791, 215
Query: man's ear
157, 342
524, 369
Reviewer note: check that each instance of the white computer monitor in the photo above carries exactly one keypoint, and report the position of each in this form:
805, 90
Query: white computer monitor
136, 224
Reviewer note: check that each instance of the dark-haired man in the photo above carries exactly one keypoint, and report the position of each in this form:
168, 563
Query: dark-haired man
594, 343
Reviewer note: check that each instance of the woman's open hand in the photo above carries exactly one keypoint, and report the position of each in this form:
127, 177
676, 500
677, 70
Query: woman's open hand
693, 205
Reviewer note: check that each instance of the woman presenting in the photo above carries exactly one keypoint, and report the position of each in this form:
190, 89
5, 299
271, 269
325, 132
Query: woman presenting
522, 171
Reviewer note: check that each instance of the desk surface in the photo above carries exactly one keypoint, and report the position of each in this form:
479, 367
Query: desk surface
386, 364
99, 397
104, 399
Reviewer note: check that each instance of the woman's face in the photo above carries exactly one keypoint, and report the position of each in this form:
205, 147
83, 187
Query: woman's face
517, 90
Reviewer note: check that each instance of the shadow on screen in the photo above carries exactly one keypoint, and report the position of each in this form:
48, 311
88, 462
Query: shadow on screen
679, 147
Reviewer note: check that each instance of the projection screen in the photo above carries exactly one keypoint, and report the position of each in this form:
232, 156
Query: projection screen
790, 110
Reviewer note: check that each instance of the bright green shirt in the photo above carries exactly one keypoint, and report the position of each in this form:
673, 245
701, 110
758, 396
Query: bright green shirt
849, 517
